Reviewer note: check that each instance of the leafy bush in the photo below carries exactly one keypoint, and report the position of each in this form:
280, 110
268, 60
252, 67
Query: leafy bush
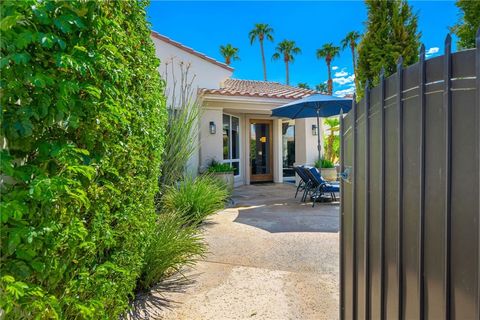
324, 163
83, 116
219, 167
173, 246
195, 199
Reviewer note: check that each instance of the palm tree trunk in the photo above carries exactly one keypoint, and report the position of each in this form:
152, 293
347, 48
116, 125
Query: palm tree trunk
286, 67
330, 83
227, 60
263, 61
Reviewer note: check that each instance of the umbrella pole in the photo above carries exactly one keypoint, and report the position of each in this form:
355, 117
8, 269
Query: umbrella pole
318, 141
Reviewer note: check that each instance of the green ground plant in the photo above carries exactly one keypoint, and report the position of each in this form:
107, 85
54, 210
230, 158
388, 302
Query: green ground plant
83, 116
195, 198
324, 163
215, 166
181, 140
174, 245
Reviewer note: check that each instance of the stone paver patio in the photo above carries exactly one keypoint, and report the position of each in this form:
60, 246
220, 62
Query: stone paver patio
270, 257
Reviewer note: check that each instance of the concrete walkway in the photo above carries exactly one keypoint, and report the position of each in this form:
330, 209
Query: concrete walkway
270, 257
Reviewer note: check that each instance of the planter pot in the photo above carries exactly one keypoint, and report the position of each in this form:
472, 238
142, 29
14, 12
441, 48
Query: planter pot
329, 174
225, 177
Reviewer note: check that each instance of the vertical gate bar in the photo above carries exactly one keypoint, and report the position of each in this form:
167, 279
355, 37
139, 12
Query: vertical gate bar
477, 74
367, 201
354, 205
382, 190
421, 260
342, 260
447, 104
400, 186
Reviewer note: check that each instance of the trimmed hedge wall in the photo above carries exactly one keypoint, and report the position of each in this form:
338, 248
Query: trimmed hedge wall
82, 131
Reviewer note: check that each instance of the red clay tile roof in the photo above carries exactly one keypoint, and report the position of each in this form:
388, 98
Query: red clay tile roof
265, 89
190, 50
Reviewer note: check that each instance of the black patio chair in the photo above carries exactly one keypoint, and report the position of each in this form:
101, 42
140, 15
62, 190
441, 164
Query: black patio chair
318, 186
304, 182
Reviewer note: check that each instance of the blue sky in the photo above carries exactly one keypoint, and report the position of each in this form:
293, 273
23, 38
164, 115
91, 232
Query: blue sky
204, 26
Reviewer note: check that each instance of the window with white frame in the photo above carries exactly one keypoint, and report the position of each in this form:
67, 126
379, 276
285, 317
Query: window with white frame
231, 142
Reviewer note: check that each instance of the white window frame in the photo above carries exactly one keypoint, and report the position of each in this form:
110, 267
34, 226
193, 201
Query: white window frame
230, 161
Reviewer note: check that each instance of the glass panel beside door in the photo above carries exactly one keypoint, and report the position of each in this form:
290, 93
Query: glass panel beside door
261, 151
231, 142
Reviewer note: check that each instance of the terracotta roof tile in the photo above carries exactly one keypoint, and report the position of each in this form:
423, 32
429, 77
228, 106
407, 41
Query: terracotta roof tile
266, 89
190, 50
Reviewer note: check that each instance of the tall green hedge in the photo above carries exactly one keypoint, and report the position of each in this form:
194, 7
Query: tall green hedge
82, 130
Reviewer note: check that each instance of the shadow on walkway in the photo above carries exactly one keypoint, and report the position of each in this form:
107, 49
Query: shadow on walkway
152, 304
273, 208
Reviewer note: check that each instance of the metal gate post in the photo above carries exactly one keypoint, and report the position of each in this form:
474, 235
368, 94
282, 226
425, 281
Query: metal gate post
421, 260
447, 105
342, 197
367, 201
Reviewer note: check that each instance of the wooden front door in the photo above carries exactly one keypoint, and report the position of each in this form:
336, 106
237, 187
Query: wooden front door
261, 151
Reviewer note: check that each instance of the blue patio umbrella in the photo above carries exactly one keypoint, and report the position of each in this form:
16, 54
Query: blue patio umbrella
314, 106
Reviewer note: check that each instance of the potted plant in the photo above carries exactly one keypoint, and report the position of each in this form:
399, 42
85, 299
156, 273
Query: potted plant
223, 172
329, 172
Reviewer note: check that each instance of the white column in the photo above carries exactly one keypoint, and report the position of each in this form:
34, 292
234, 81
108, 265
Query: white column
305, 142
277, 151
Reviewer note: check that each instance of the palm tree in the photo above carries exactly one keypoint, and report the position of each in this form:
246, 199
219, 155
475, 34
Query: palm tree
229, 53
350, 40
328, 52
286, 49
261, 31
303, 85
322, 87
333, 125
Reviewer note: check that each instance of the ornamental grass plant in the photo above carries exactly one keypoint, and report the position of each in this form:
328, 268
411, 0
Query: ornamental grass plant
173, 246
195, 198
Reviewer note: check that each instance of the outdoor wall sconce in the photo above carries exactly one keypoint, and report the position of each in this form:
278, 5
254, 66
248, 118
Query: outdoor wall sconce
213, 127
314, 130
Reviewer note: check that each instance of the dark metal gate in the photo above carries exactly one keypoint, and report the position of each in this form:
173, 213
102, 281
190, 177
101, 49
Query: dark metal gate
410, 204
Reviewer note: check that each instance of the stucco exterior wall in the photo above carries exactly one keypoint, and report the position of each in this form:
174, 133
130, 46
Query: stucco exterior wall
246, 109
201, 73
177, 66
211, 145
305, 142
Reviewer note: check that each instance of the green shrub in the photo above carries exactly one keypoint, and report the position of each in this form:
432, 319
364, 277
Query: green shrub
173, 246
195, 199
324, 163
83, 116
220, 167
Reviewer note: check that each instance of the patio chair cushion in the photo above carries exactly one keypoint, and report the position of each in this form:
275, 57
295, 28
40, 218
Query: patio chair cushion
326, 187
330, 188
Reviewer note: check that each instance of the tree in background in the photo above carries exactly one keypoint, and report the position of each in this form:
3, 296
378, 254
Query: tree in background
322, 87
467, 26
328, 52
331, 148
391, 33
303, 85
286, 49
350, 41
229, 53
260, 32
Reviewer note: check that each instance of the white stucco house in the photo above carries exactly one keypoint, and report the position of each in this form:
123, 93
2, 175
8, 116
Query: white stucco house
236, 126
